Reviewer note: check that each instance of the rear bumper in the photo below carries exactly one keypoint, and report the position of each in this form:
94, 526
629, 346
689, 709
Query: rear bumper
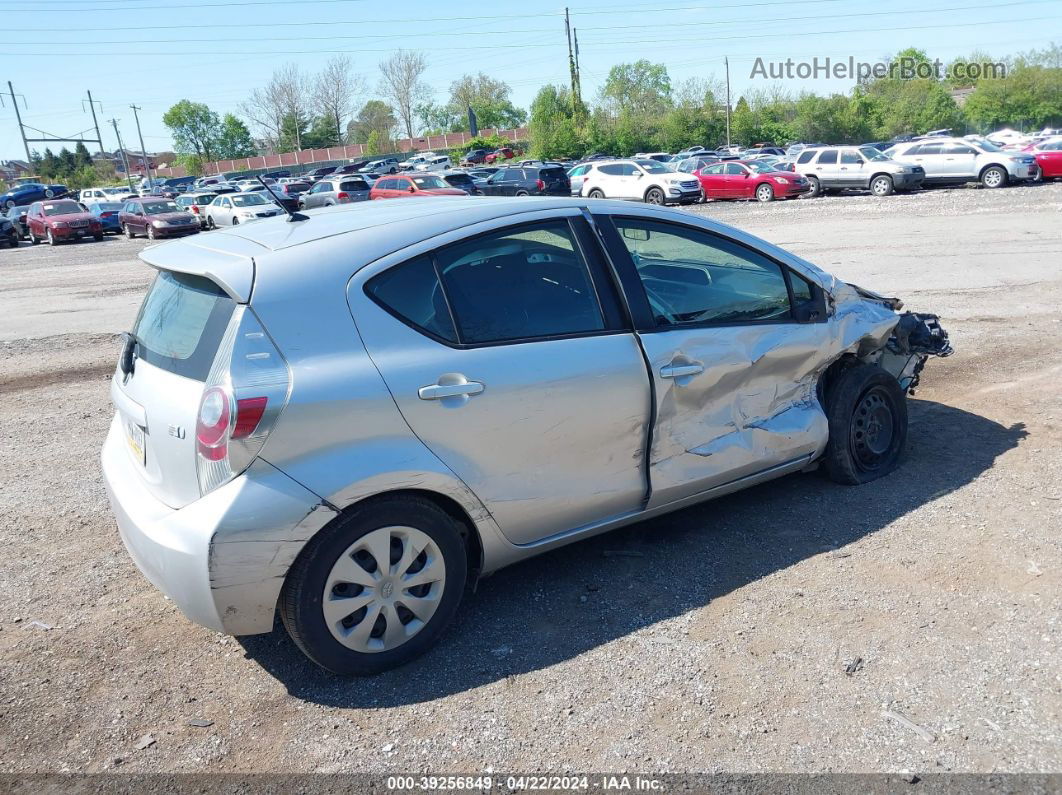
222, 559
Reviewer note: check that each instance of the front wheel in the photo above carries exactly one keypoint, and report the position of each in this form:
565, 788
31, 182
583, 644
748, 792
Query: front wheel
210, 222
882, 185
994, 177
867, 414
33, 239
151, 232
98, 237
764, 193
51, 238
377, 587
814, 187
654, 196
128, 231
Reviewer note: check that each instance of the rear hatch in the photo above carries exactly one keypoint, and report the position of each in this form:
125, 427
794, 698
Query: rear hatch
556, 181
197, 348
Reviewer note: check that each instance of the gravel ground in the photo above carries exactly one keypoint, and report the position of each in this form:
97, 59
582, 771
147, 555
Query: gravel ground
766, 631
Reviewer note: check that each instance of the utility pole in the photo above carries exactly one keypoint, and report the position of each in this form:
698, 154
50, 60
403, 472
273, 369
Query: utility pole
121, 151
578, 71
95, 122
21, 129
727, 62
577, 101
143, 151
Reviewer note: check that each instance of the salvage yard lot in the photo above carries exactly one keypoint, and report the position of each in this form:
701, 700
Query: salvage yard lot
768, 630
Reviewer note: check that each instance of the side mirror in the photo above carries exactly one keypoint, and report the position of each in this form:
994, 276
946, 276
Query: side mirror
746, 175
412, 189
639, 174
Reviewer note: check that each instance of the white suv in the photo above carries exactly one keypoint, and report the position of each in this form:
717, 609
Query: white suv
644, 180
961, 160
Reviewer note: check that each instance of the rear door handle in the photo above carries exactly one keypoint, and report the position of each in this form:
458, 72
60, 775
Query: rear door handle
680, 370
437, 391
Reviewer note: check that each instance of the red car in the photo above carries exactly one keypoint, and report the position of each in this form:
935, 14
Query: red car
156, 216
412, 185
737, 179
1048, 156
60, 220
505, 153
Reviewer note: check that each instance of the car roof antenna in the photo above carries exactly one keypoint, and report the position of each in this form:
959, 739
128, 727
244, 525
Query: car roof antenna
291, 216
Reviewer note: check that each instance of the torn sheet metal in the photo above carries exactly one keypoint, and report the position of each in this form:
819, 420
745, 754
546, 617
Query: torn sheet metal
756, 404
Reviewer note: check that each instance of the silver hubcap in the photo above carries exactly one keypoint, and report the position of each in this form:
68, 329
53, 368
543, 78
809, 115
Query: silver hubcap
993, 178
764, 193
384, 589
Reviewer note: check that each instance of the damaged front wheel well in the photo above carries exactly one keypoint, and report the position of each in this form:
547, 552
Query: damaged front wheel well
832, 373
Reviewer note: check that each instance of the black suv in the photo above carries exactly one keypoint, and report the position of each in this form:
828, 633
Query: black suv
459, 179
529, 181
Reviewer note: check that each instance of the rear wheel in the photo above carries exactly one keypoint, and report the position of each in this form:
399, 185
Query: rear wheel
881, 185
814, 187
377, 587
867, 414
522, 193
1038, 175
994, 177
764, 193
596, 193
654, 196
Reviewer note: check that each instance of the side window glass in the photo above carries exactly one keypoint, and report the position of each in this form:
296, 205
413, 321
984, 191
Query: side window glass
714, 170
801, 288
805, 156
695, 277
734, 170
412, 292
931, 149
828, 156
850, 156
520, 283
612, 170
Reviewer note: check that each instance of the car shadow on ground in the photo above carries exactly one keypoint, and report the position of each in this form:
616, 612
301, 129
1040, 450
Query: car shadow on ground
556, 606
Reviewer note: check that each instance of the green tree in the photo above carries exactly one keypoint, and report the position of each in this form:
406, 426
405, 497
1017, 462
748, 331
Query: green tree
489, 99
553, 128
375, 116
372, 145
641, 87
192, 164
81, 155
195, 128
234, 139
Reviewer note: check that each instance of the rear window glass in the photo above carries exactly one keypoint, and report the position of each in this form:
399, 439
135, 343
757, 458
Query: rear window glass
354, 185
554, 173
412, 293
181, 323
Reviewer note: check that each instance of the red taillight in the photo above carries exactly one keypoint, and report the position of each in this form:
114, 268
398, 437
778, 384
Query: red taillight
540, 184
212, 424
342, 196
106, 215
195, 209
249, 413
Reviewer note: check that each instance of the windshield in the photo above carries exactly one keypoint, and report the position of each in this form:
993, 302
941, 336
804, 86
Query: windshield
62, 208
249, 200
871, 154
653, 167
429, 183
156, 208
759, 167
109, 206
987, 145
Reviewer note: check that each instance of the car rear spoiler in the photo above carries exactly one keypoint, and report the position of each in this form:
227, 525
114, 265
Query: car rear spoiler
224, 259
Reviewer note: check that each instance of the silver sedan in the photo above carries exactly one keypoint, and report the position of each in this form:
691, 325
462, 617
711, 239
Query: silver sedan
232, 209
349, 417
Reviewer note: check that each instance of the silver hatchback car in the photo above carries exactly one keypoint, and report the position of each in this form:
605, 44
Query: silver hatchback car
350, 417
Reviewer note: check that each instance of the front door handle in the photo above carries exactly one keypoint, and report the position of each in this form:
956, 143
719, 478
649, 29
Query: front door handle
438, 391
680, 370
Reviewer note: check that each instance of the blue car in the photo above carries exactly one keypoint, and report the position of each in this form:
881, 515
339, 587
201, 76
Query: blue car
107, 212
29, 192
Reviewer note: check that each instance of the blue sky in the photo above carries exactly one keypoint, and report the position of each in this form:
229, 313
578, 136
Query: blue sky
156, 52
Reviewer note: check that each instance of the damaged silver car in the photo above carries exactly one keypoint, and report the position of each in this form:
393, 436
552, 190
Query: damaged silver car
348, 416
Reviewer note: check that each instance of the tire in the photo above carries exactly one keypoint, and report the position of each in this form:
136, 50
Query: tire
150, 232
764, 192
49, 193
51, 238
596, 193
33, 239
814, 188
867, 414
128, 232
522, 193
882, 185
303, 598
235, 221
9, 204
994, 177
654, 196
1038, 176
210, 222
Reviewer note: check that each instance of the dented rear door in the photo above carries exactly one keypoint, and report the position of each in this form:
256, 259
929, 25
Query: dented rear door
734, 371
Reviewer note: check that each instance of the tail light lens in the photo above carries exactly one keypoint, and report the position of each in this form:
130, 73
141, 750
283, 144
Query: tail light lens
342, 196
540, 184
195, 209
244, 394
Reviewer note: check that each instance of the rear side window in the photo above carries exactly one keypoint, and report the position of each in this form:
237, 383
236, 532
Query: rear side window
552, 174
521, 283
412, 293
181, 323
805, 157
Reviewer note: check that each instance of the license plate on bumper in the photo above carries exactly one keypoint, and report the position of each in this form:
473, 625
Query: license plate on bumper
134, 436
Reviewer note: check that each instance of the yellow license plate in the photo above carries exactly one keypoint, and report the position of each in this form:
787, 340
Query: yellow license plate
134, 435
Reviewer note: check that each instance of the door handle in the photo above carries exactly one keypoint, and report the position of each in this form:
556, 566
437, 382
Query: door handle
437, 391
680, 370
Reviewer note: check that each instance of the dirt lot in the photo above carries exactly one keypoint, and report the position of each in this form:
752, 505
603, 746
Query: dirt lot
767, 631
